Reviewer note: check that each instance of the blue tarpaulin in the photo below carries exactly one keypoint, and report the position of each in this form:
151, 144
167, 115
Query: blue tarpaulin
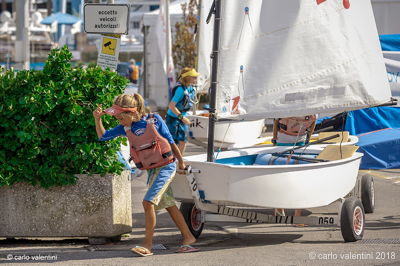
381, 149
390, 42
60, 18
371, 119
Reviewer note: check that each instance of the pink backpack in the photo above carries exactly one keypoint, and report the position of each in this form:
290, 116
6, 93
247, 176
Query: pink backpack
296, 126
149, 150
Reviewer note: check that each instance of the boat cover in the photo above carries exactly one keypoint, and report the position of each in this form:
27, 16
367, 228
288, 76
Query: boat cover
381, 149
371, 119
390, 45
390, 42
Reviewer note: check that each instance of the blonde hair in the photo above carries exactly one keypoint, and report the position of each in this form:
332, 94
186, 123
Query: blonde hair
185, 80
136, 100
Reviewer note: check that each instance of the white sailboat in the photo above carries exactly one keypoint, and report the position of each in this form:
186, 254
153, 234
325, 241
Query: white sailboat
228, 133
299, 58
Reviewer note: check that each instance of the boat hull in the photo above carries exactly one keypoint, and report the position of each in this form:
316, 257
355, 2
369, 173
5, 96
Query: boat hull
226, 131
275, 186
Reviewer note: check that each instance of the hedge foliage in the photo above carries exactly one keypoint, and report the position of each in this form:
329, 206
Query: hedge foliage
47, 132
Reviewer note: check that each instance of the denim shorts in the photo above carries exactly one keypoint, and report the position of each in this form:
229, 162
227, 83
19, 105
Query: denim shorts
160, 192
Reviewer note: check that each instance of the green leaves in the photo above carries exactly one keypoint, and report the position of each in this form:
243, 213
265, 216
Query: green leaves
47, 132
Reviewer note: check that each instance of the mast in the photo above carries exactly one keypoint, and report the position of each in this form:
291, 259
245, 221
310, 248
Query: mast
213, 89
196, 61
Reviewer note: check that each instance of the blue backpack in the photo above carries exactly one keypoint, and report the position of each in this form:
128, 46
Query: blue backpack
185, 104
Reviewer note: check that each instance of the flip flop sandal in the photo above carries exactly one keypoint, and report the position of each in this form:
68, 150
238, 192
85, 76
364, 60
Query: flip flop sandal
186, 249
137, 250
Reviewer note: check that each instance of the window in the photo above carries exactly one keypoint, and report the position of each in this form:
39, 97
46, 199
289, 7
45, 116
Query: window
154, 7
136, 24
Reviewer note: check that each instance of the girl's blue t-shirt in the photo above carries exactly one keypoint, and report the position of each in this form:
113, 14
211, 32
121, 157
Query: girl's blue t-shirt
178, 96
138, 129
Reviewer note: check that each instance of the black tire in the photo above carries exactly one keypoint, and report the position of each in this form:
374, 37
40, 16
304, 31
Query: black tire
115, 239
352, 220
192, 217
368, 193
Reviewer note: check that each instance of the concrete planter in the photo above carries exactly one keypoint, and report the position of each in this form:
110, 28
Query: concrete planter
97, 207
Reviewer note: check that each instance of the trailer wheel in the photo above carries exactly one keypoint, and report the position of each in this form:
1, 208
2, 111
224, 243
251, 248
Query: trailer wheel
352, 220
192, 217
368, 193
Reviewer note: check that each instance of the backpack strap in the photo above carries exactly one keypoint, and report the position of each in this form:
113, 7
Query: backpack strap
175, 88
150, 118
280, 125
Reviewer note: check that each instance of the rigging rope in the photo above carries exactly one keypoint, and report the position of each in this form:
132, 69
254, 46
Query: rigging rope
246, 13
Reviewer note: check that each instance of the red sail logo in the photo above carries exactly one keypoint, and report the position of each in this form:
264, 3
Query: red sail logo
346, 3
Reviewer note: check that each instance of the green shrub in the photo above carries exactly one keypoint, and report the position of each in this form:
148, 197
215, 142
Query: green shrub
47, 132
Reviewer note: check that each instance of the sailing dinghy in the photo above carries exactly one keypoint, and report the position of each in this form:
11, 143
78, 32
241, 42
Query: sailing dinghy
296, 58
228, 133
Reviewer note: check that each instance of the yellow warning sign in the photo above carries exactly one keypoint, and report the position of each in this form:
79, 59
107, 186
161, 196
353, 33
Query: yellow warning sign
113, 35
108, 46
108, 54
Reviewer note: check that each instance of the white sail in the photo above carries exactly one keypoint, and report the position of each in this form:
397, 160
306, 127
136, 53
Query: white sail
163, 33
205, 45
291, 58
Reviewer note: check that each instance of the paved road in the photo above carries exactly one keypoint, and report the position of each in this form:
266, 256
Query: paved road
235, 243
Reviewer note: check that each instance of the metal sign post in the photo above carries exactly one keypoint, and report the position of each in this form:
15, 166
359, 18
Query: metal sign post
22, 52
